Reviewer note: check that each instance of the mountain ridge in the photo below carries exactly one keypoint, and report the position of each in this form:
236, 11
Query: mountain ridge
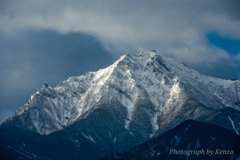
145, 76
137, 98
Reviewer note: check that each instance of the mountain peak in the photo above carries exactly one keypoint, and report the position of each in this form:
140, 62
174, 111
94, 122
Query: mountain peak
147, 79
148, 54
136, 98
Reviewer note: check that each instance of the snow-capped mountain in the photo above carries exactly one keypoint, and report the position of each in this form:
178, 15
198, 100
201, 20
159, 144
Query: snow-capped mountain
144, 86
114, 109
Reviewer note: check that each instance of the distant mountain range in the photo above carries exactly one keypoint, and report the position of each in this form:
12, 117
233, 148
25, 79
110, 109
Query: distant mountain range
189, 140
137, 98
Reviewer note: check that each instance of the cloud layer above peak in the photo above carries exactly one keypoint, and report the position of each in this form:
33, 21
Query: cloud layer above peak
50, 40
175, 28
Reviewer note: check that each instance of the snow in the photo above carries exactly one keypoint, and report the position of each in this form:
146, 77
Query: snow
31, 98
21, 109
74, 101
154, 122
19, 152
126, 80
129, 106
75, 84
233, 125
55, 102
88, 137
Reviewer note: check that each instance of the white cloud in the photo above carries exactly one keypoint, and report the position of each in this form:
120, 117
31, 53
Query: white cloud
176, 28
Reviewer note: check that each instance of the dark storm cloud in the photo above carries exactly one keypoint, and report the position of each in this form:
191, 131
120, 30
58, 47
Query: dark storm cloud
29, 59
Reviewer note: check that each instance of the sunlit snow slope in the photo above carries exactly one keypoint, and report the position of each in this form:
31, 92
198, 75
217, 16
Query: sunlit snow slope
146, 79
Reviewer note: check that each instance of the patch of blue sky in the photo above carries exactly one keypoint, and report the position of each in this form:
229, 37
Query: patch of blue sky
229, 45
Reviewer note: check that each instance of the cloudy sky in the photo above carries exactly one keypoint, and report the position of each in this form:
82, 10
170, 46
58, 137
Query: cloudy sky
51, 40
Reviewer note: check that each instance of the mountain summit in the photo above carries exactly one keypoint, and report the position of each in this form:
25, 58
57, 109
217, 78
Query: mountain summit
136, 98
145, 84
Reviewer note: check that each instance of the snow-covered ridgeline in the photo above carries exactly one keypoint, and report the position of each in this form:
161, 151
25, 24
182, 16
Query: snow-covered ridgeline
145, 75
